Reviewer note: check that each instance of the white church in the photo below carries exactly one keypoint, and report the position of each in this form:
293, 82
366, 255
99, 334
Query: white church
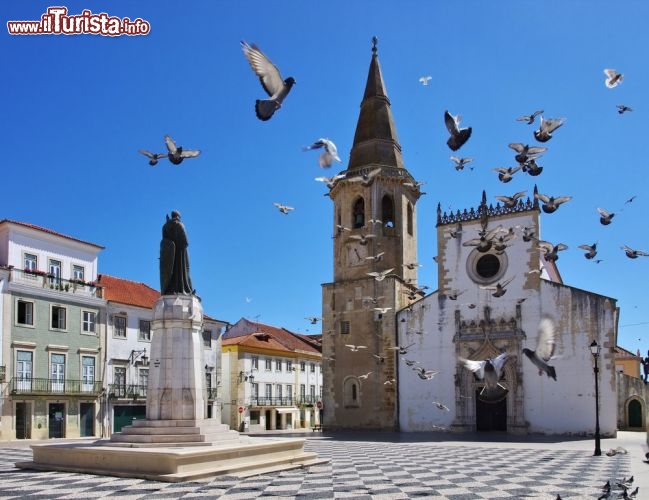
413, 344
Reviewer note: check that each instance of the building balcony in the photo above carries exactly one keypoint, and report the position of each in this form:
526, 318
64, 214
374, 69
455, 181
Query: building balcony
52, 387
48, 281
123, 391
284, 401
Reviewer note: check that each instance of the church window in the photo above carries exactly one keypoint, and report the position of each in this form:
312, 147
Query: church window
344, 327
358, 213
409, 221
351, 395
387, 211
487, 266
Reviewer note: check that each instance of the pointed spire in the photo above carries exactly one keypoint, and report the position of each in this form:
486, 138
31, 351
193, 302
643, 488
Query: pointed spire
375, 140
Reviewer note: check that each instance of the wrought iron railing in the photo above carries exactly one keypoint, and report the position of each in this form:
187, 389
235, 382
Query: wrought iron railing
47, 280
284, 401
54, 386
130, 391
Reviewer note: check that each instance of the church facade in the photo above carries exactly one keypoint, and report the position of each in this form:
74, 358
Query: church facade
390, 352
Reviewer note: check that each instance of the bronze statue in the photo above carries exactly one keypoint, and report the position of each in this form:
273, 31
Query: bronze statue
174, 259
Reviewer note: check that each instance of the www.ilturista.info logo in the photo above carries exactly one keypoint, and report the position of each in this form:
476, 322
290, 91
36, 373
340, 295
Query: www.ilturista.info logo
56, 21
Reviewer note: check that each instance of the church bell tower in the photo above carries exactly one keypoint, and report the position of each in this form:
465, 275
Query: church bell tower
375, 270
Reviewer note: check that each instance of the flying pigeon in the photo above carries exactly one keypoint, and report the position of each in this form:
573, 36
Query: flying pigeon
380, 276
550, 203
630, 200
489, 370
362, 239
613, 78
458, 135
550, 251
153, 157
499, 288
409, 362
528, 233
313, 319
328, 156
355, 348
455, 294
424, 374
634, 254
511, 201
441, 406
271, 80
621, 108
485, 239
176, 153
364, 377
532, 168
525, 152
402, 350
379, 358
544, 133
544, 348
366, 178
377, 258
330, 182
529, 119
506, 174
382, 310
591, 250
413, 265
460, 162
285, 209
605, 217
390, 381
425, 79
454, 233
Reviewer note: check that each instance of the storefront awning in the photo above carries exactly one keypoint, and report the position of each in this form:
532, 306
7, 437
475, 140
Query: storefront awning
287, 410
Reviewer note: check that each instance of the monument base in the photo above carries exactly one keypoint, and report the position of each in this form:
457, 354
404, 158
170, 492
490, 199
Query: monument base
247, 457
204, 432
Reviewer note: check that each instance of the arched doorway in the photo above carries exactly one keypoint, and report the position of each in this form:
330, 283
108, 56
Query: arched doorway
634, 414
490, 416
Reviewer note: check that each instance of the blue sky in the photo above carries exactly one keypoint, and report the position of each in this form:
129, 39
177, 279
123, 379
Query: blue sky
76, 110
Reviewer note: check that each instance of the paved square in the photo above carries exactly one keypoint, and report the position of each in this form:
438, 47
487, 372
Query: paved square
373, 467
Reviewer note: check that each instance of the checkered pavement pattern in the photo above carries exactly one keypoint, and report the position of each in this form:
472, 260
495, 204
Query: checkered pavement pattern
357, 469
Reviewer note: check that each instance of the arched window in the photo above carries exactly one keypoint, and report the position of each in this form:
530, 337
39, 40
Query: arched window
351, 396
358, 213
409, 216
387, 211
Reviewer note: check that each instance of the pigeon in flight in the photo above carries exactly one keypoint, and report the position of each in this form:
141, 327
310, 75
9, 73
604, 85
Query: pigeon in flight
328, 156
591, 250
402, 350
506, 174
176, 153
499, 288
285, 209
380, 276
528, 234
544, 133
605, 218
376, 258
525, 152
454, 233
511, 201
271, 80
425, 79
489, 370
621, 108
424, 374
532, 168
330, 182
458, 135
364, 377
613, 78
485, 240
441, 406
355, 348
550, 204
529, 119
634, 254
390, 381
460, 162
550, 251
362, 239
313, 319
366, 178
153, 157
544, 348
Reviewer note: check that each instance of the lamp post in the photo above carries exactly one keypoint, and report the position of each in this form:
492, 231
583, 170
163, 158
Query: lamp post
595, 350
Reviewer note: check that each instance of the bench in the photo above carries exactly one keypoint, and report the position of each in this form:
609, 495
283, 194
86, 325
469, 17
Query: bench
317, 427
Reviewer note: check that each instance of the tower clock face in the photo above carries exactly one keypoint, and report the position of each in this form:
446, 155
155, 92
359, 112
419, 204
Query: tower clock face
356, 254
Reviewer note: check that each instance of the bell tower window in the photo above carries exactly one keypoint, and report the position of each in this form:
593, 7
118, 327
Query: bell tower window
358, 213
409, 219
387, 211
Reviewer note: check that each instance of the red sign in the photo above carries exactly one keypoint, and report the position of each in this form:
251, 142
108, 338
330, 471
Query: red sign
319, 405
241, 409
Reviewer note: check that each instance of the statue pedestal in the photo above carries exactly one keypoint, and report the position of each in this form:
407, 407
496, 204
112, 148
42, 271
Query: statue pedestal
175, 442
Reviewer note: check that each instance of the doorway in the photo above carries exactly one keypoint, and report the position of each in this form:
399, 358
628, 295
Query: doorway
87, 419
634, 409
124, 415
56, 420
23, 421
490, 416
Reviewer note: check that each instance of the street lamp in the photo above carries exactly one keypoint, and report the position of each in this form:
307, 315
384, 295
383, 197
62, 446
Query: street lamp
139, 354
595, 350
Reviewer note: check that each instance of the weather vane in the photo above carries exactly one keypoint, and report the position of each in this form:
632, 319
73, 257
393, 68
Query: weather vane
375, 40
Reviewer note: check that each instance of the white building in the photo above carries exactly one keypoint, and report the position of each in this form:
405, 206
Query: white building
464, 319
272, 378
